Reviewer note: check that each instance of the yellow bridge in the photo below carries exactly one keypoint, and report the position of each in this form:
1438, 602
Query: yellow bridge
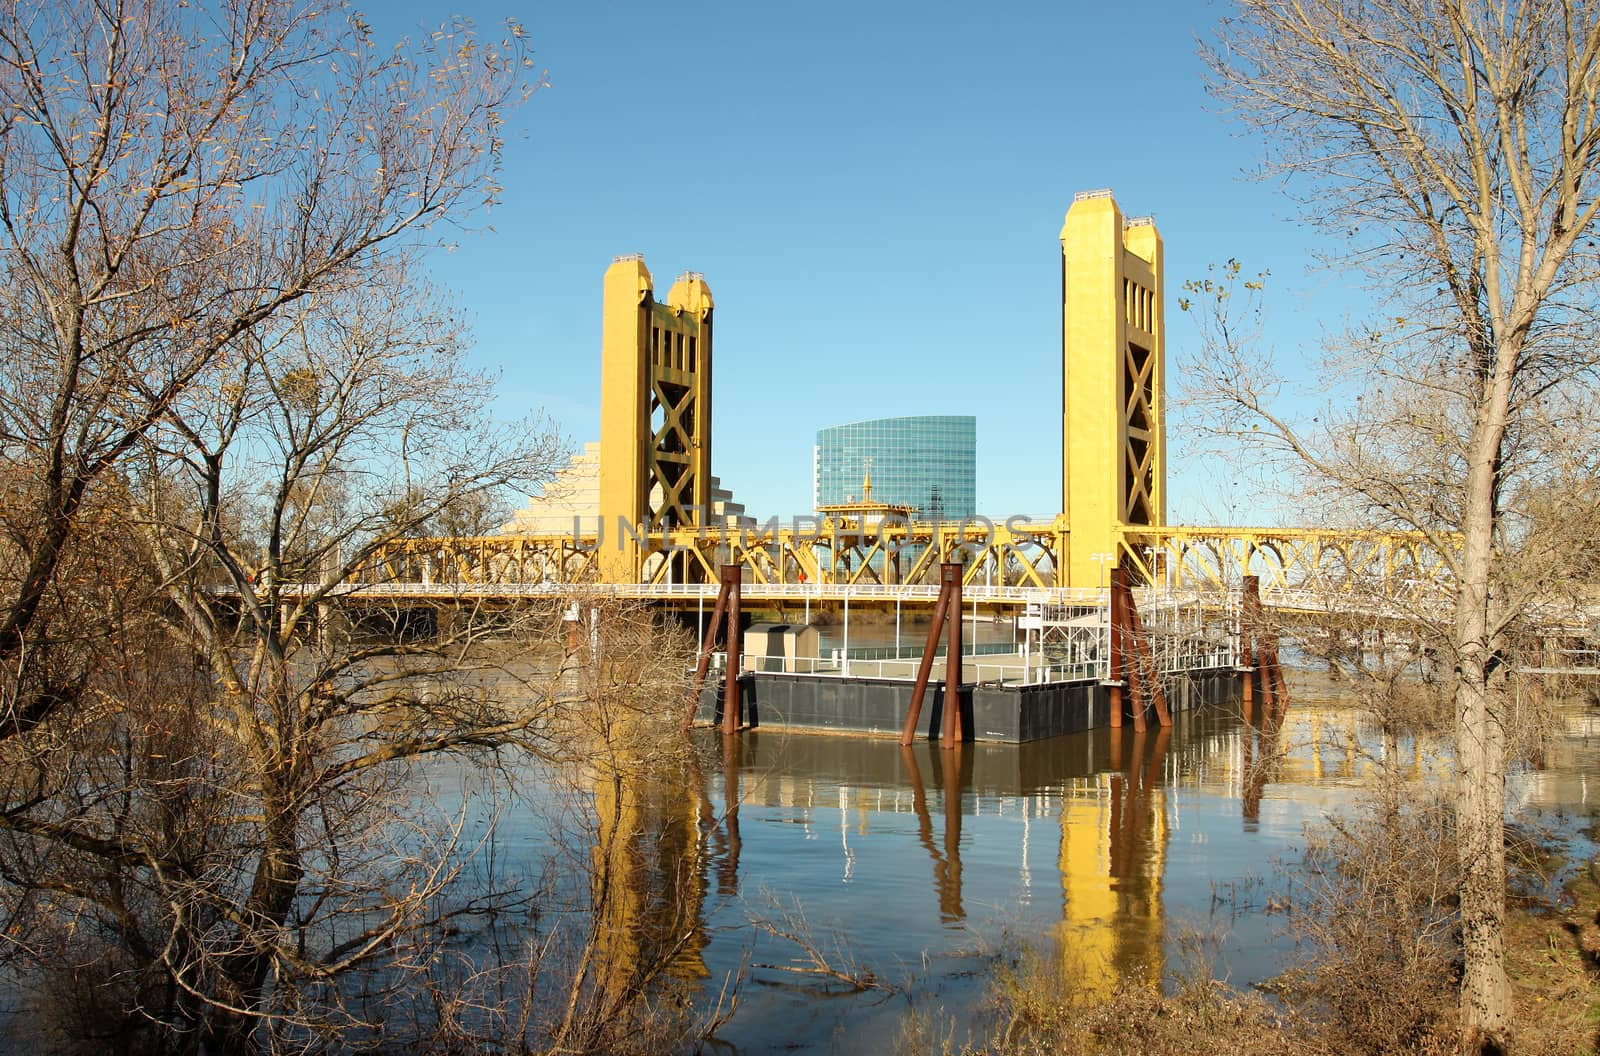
1006, 564
643, 516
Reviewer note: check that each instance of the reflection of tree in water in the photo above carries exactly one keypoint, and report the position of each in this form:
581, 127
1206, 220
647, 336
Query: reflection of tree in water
956, 769
1113, 850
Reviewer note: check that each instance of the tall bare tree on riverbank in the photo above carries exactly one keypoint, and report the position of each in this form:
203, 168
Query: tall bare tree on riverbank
1454, 149
220, 372
234, 813
171, 177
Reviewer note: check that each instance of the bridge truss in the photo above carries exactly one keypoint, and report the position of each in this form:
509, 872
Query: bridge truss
899, 557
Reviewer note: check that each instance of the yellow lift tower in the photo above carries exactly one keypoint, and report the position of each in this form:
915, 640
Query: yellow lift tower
1113, 399
655, 414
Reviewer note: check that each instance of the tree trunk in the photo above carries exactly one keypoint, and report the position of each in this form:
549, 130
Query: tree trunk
1480, 836
1480, 743
232, 1031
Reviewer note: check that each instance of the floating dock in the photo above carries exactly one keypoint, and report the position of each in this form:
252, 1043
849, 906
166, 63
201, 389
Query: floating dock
1008, 713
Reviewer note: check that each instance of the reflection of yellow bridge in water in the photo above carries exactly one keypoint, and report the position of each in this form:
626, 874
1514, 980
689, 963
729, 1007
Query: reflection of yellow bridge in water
1086, 822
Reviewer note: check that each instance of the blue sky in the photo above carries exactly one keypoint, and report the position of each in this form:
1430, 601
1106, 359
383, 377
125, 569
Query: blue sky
874, 192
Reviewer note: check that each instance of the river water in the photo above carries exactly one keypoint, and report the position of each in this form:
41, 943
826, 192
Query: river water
918, 864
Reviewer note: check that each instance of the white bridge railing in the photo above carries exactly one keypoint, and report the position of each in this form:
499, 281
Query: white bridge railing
796, 592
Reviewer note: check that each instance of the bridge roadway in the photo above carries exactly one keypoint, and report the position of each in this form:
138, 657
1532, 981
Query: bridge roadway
789, 595
1290, 601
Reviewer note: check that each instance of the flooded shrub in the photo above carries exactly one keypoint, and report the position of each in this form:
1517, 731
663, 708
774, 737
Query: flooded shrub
1042, 1007
1373, 912
89, 1005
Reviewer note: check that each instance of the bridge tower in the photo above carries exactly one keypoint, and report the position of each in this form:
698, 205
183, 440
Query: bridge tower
655, 411
1113, 398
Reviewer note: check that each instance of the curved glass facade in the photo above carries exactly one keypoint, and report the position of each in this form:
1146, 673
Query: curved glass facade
927, 461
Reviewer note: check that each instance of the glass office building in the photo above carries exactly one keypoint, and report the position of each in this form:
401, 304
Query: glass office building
929, 462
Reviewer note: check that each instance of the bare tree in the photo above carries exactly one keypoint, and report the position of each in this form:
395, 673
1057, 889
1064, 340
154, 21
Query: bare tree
1453, 149
226, 386
173, 176
231, 803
